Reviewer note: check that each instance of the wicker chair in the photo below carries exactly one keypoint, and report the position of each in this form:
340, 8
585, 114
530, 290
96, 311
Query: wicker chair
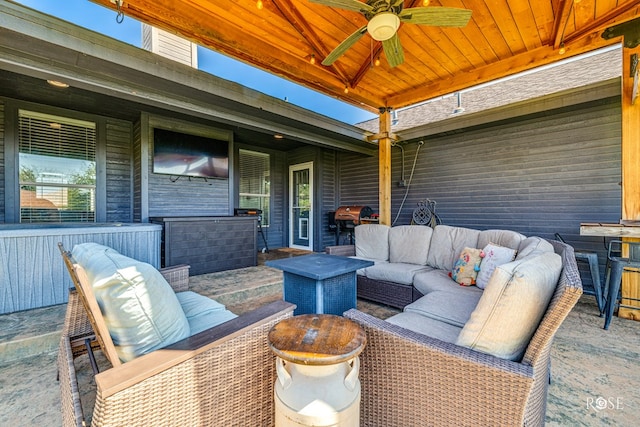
409, 379
223, 375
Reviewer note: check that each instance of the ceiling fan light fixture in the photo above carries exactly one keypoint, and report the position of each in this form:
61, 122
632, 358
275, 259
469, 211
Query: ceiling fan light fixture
383, 26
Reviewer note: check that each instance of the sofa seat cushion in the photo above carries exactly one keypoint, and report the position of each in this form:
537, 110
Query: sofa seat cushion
446, 244
202, 312
432, 280
409, 244
140, 309
453, 308
512, 306
398, 272
508, 238
426, 326
372, 241
363, 271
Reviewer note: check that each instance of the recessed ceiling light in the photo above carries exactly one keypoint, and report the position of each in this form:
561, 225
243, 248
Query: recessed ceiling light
57, 83
278, 136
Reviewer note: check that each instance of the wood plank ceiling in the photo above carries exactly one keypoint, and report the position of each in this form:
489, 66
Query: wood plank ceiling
503, 37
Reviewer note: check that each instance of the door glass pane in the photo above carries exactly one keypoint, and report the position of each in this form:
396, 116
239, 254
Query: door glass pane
301, 207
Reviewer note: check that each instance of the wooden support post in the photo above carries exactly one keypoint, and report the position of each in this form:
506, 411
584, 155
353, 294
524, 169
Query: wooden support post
630, 167
384, 167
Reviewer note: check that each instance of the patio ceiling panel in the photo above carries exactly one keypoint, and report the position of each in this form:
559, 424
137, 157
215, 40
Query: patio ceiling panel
503, 37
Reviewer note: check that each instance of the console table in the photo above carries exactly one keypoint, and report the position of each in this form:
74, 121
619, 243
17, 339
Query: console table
208, 243
320, 283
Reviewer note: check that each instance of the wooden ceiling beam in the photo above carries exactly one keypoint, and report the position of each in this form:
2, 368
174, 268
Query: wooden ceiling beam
301, 25
605, 21
560, 21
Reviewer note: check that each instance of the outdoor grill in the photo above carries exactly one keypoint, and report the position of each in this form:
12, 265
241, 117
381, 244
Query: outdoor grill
350, 216
347, 217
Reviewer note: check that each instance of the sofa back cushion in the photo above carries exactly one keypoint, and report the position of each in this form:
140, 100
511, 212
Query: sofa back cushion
372, 241
409, 244
446, 244
506, 238
140, 309
533, 244
512, 306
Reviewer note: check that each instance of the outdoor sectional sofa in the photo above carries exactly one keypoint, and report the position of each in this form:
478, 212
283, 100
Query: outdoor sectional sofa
459, 355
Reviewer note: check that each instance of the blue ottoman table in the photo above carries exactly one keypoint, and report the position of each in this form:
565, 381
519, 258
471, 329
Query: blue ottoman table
320, 283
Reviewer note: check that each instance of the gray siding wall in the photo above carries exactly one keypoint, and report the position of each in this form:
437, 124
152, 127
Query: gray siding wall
119, 171
2, 162
328, 197
538, 175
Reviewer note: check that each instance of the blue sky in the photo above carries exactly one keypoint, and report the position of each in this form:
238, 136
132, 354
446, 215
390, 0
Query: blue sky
103, 20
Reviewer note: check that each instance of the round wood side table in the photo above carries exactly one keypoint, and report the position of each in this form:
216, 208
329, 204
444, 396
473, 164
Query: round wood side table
317, 365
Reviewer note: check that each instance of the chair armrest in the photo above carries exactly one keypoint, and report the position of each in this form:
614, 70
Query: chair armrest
412, 379
343, 250
225, 374
177, 276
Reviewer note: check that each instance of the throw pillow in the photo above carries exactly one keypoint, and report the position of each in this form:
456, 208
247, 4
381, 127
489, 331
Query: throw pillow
494, 256
466, 268
140, 309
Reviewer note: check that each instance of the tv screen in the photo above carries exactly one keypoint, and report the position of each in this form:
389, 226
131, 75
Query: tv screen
176, 153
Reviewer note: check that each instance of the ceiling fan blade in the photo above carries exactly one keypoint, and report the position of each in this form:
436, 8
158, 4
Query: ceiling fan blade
354, 5
344, 46
436, 16
393, 51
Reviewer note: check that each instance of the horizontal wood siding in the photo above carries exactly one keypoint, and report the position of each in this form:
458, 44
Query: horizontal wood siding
119, 171
276, 233
2, 162
358, 180
137, 178
538, 175
328, 194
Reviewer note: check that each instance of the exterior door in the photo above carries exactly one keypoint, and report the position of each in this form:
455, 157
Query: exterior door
301, 206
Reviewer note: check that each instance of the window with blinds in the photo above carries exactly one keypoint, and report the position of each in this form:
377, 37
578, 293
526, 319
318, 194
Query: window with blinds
254, 191
57, 163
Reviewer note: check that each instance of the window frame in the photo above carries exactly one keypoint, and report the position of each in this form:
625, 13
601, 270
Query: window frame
266, 217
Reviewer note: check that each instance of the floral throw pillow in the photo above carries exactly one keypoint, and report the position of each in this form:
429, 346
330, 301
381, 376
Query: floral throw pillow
466, 267
494, 256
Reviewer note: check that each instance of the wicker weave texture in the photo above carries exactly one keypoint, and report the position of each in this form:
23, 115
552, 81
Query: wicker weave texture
409, 379
177, 276
230, 384
72, 415
390, 293
338, 293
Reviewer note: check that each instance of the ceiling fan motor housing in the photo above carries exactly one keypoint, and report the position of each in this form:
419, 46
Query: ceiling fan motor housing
383, 26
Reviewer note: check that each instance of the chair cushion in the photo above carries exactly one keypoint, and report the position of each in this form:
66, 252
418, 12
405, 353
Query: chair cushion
409, 244
493, 256
202, 312
512, 306
372, 241
446, 244
140, 309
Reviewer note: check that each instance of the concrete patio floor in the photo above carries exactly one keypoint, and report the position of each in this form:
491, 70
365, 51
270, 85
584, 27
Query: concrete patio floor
595, 374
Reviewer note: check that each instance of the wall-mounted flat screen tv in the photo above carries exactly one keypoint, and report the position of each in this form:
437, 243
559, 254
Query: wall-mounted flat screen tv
182, 154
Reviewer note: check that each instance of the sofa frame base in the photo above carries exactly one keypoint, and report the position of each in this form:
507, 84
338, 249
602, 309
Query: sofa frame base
390, 293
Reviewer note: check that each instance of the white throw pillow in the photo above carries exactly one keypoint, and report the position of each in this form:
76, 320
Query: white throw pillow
494, 256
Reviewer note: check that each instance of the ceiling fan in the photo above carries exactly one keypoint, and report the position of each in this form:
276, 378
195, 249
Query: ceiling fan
384, 18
